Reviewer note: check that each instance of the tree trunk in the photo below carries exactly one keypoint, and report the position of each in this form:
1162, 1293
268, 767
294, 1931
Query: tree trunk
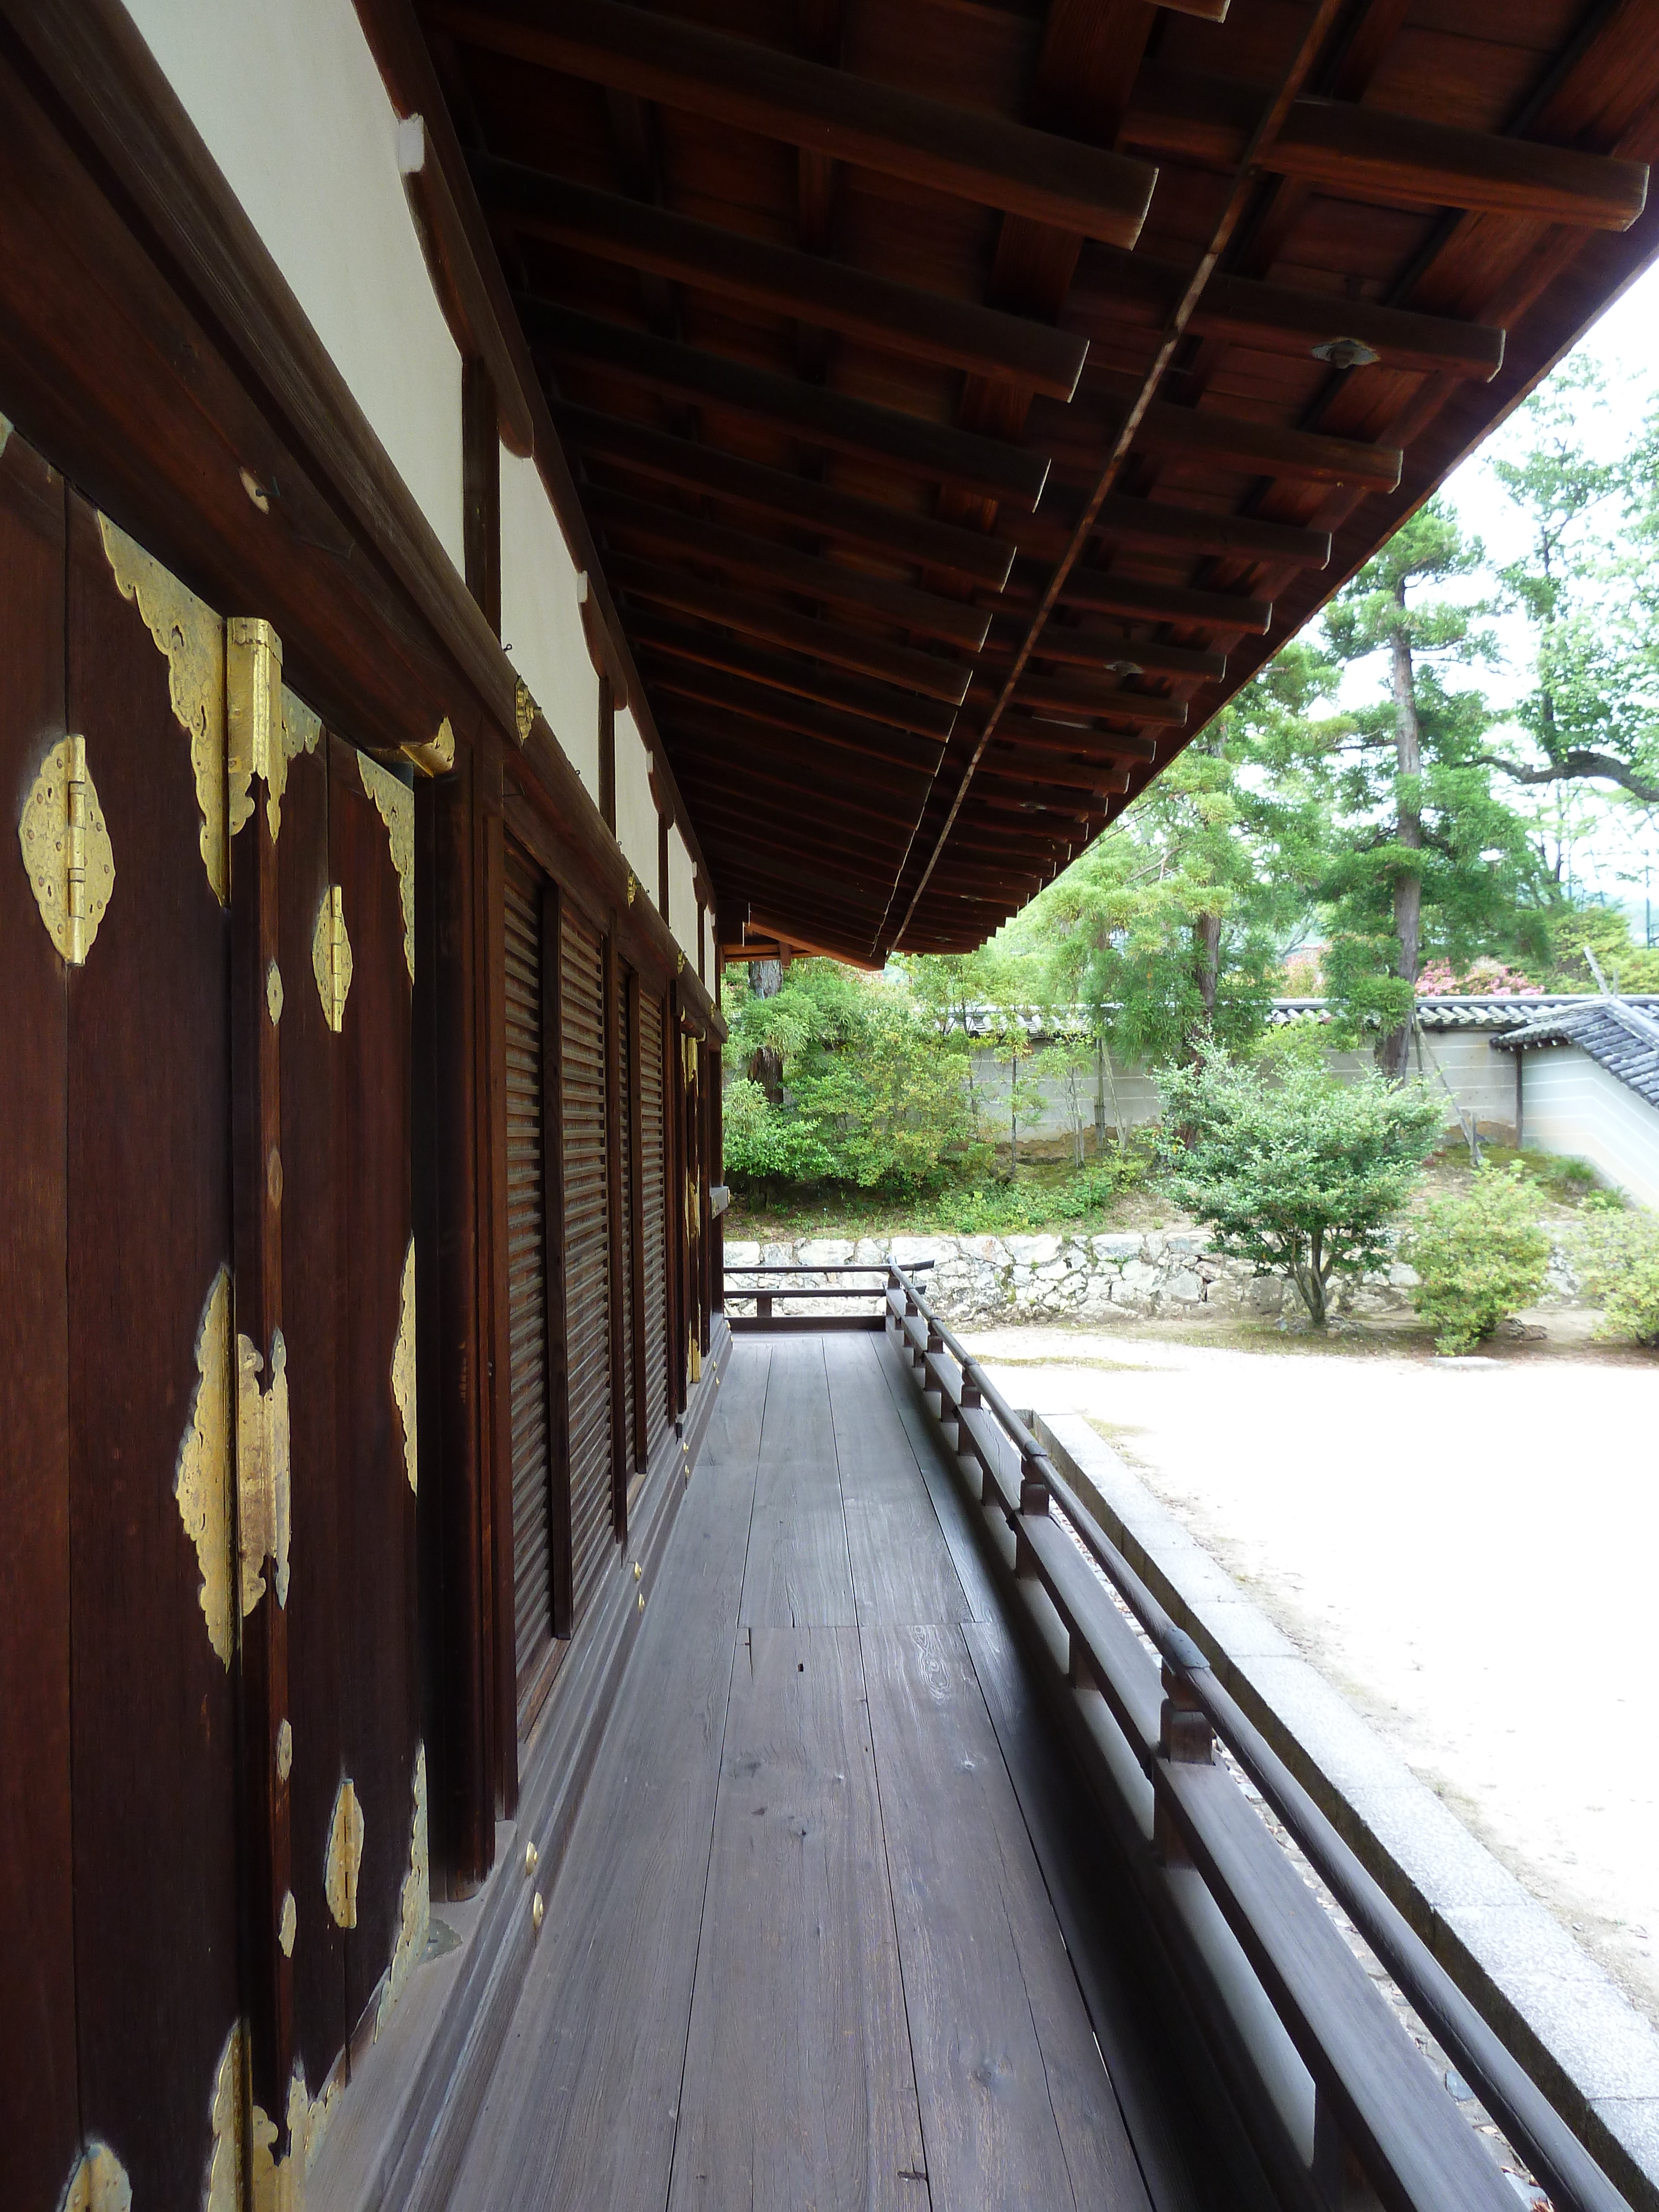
1100, 1098
766, 1066
1408, 831
1208, 932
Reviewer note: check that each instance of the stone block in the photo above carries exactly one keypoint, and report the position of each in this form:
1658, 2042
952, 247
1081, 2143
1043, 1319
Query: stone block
1120, 1245
1185, 1285
1142, 1276
824, 1251
1185, 1241
743, 1256
1267, 1294
1032, 1251
908, 1249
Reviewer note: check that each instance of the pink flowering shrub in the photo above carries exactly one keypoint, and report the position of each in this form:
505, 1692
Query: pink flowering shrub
1485, 979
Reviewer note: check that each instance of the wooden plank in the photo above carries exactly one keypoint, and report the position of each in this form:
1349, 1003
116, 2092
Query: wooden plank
1152, 522
797, 1574
1275, 318
898, 532
1307, 456
755, 701
979, 156
316, 1232
963, 1541
39, 2121
1037, 740
901, 1570
936, 452
1097, 695
1128, 656
152, 1706
875, 310
1016, 2105
929, 673
1186, 2167
377, 1567
769, 561
601, 2030
798, 2087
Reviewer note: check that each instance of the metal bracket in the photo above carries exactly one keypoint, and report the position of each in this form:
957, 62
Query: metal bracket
67, 854
434, 755
524, 710
264, 1491
253, 712
330, 956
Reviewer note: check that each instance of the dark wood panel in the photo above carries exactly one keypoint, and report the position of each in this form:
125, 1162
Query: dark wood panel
1016, 2106
901, 1568
39, 2105
654, 1202
584, 1147
149, 1231
534, 1440
799, 2089
582, 2108
377, 1508
316, 1233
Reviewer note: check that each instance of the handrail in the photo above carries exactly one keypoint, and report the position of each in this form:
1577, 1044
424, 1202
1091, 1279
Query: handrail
1174, 1759
809, 1267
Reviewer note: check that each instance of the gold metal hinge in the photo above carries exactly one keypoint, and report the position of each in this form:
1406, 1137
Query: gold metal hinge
524, 710
344, 1855
254, 719
434, 755
264, 1489
69, 860
330, 956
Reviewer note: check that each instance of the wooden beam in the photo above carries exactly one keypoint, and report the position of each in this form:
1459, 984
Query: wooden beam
934, 452
764, 560
1369, 154
1104, 591
1075, 780
742, 749
934, 677
761, 702
1034, 736
1090, 695
1128, 656
1274, 318
1152, 522
897, 531
875, 703
878, 311
965, 152
1304, 455
778, 813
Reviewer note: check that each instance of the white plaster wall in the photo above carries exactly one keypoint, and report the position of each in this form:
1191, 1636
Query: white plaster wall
541, 617
286, 96
682, 897
636, 810
1573, 1105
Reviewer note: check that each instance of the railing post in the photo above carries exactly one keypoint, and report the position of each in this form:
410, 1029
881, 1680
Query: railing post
1033, 1483
762, 1305
1185, 1739
1337, 2173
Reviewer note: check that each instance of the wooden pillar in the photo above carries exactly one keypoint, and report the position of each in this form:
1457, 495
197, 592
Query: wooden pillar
607, 753
481, 490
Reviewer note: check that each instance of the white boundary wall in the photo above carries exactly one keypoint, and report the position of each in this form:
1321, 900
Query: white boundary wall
1572, 1104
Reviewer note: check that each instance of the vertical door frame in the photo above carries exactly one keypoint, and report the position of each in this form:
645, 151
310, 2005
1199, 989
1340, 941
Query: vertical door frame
634, 1106
561, 1562
615, 1234
490, 1136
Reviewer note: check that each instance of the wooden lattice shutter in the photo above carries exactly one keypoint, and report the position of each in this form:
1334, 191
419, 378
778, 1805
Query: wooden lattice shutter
587, 1247
628, 1195
527, 1276
654, 1198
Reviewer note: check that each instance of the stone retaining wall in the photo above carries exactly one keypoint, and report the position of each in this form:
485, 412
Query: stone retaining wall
1127, 1275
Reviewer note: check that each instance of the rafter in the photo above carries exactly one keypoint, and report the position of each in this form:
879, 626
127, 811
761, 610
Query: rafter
901, 665
897, 531
933, 451
1128, 656
759, 701
1104, 591
973, 156
764, 560
1090, 695
1305, 455
777, 279
877, 703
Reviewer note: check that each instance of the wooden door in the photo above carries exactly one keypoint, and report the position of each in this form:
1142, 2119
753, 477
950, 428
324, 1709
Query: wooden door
584, 1138
624, 1073
541, 1566
654, 1204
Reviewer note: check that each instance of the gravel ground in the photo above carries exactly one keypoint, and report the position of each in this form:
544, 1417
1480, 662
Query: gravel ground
1468, 1550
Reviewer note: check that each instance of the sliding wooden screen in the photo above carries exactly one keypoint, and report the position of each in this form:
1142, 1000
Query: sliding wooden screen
654, 1204
583, 1101
626, 1072
538, 1547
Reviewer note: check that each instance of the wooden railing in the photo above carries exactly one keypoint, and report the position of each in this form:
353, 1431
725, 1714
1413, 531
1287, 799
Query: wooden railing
767, 1288
1341, 2105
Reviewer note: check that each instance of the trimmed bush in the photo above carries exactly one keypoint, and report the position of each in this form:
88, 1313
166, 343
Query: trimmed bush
1479, 1259
1617, 1257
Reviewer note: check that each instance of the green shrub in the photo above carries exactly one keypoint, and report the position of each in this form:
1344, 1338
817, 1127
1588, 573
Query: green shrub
765, 1143
1294, 1171
1617, 1257
1479, 1258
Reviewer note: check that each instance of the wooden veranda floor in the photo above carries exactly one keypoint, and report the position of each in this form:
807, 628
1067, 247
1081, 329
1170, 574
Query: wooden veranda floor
831, 1929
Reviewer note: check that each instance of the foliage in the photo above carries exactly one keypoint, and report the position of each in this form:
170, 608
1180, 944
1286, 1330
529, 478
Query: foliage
1559, 1176
871, 1097
1479, 1257
998, 1209
1617, 1259
1300, 1172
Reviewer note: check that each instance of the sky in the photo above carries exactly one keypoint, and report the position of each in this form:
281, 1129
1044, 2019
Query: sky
1615, 851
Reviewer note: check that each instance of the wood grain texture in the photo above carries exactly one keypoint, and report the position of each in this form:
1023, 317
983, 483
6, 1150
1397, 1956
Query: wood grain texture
1016, 2106
39, 2117
377, 1575
149, 1185
900, 1566
797, 1572
582, 2109
798, 2091
314, 1237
